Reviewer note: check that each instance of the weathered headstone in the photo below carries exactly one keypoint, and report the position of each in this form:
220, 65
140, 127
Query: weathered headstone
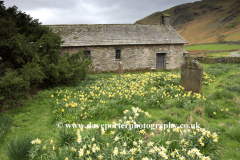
120, 69
191, 76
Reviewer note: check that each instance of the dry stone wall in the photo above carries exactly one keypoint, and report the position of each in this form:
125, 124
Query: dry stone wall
216, 60
132, 56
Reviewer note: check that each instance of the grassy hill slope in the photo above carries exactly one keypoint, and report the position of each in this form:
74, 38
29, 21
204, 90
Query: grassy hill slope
203, 21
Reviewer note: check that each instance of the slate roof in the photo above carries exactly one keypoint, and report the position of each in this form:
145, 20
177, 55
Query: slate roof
185, 51
116, 34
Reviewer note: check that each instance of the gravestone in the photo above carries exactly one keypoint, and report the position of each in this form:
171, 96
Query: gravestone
120, 69
191, 76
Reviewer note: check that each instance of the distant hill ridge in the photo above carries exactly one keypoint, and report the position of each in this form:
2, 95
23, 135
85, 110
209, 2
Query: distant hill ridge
203, 21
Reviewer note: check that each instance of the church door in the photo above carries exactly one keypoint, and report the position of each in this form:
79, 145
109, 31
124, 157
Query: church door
160, 63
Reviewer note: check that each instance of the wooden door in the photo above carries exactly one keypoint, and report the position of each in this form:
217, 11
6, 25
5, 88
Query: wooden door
160, 62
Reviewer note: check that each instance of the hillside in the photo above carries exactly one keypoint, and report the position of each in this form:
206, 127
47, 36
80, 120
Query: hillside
203, 21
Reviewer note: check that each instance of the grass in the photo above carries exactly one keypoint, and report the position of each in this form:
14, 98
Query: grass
5, 127
212, 47
220, 54
19, 147
36, 116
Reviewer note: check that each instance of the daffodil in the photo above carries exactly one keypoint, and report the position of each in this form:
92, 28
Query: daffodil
116, 138
150, 143
115, 151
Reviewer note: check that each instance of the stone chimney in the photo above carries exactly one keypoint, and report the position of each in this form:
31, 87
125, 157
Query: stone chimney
165, 19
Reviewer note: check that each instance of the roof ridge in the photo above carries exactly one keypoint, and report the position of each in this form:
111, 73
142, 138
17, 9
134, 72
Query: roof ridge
117, 34
100, 24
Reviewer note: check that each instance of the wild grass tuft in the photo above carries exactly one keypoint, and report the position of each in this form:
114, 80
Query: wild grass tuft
66, 136
5, 127
223, 94
215, 111
234, 133
233, 88
19, 147
218, 69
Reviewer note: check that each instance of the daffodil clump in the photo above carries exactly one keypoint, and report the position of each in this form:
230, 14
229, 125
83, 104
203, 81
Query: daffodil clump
207, 78
136, 143
96, 98
214, 111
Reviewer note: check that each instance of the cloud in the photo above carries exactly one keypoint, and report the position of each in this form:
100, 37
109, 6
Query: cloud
92, 11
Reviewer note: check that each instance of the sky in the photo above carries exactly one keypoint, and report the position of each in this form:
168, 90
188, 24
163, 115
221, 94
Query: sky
91, 11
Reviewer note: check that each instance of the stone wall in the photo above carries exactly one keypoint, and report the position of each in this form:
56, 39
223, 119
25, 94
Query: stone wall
132, 56
213, 51
216, 60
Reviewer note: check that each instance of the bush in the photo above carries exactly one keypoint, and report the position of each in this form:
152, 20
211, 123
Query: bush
221, 39
19, 147
12, 88
30, 54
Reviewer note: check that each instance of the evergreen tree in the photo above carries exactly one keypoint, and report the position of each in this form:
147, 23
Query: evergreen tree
30, 54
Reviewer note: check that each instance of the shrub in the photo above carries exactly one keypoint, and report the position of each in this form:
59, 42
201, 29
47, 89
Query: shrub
30, 54
12, 88
221, 38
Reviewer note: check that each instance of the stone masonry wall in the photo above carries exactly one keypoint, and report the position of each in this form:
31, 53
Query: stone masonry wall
132, 56
208, 60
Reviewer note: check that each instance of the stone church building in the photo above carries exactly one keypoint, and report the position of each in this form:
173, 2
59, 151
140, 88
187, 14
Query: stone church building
136, 46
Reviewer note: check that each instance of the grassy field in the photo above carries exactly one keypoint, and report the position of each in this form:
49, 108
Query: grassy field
212, 47
150, 98
220, 54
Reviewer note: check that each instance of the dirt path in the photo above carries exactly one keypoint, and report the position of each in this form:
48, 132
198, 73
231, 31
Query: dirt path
235, 54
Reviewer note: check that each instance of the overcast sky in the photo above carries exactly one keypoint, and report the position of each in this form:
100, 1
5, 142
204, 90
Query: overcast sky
91, 11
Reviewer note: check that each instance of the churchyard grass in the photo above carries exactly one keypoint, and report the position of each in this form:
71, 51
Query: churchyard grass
151, 98
5, 127
220, 54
